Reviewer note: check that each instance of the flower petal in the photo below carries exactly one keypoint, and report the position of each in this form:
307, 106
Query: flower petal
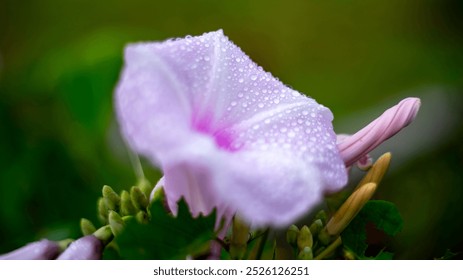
270, 188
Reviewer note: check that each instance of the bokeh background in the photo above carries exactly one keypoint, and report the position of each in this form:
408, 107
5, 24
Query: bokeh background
60, 61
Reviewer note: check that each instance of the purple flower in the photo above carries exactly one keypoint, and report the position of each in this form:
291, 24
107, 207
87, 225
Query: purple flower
227, 134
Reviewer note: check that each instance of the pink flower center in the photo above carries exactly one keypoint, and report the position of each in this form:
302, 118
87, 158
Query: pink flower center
222, 138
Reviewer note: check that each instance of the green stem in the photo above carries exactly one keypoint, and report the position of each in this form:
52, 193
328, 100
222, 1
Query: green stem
330, 249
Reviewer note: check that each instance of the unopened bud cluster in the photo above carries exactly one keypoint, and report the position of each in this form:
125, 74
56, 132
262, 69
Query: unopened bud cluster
115, 209
322, 237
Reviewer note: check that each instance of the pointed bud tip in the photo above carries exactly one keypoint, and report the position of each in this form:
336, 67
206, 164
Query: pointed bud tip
369, 189
304, 238
414, 103
291, 235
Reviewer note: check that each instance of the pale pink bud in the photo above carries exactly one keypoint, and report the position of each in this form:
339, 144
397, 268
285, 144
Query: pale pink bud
355, 147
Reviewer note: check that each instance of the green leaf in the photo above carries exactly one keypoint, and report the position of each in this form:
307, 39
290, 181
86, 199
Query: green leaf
166, 236
383, 215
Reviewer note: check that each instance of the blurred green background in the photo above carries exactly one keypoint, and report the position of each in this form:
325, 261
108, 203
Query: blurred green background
60, 61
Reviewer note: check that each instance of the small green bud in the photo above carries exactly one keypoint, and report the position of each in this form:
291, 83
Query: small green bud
291, 235
139, 199
305, 254
86, 227
116, 223
112, 199
316, 226
322, 216
304, 238
127, 207
145, 186
102, 210
104, 234
142, 217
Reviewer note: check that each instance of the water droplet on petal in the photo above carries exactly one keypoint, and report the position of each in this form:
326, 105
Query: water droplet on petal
253, 77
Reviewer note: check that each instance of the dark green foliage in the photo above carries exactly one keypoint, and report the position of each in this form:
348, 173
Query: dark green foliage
165, 236
383, 215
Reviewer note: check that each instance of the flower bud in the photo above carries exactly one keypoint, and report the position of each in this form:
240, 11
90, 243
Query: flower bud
291, 235
116, 223
304, 238
321, 215
38, 250
142, 217
349, 209
145, 186
316, 226
112, 199
127, 207
85, 248
377, 171
305, 254
102, 210
387, 125
139, 199
86, 227
104, 234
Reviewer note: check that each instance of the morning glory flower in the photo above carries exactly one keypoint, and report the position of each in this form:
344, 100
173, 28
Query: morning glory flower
226, 134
